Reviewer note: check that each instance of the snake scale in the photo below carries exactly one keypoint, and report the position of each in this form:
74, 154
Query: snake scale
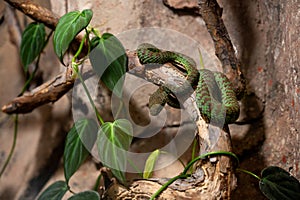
215, 96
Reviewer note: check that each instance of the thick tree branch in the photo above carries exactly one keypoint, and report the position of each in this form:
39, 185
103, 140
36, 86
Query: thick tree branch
211, 13
35, 12
48, 92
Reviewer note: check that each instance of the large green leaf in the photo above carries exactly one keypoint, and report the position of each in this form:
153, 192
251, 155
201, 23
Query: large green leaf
109, 61
55, 191
86, 195
67, 28
79, 142
150, 164
33, 42
278, 184
113, 142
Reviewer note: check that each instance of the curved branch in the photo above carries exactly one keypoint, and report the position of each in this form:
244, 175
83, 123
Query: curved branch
48, 92
211, 13
35, 12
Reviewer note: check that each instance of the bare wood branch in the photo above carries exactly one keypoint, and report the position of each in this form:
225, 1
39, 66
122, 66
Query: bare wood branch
211, 13
35, 12
48, 92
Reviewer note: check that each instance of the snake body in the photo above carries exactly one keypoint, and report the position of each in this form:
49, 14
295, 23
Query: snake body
215, 97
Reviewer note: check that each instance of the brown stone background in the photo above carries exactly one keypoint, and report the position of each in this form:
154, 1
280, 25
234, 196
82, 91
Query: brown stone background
266, 37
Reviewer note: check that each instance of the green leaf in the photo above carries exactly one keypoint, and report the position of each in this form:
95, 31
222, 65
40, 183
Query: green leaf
55, 191
109, 61
113, 142
80, 140
86, 195
67, 28
278, 184
33, 42
150, 164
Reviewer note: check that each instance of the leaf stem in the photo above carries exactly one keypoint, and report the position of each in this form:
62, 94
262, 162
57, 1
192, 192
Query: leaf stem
79, 49
96, 32
209, 154
75, 67
89, 97
201, 59
138, 171
248, 172
13, 145
97, 184
194, 151
119, 109
30, 77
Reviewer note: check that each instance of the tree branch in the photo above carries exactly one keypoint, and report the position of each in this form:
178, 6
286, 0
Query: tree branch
211, 14
48, 92
35, 12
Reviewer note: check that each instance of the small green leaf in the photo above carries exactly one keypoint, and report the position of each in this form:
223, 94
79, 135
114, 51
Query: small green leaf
109, 61
278, 184
80, 140
86, 195
56, 191
114, 139
67, 28
150, 164
33, 42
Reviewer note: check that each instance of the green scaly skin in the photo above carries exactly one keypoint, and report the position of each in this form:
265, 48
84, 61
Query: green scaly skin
215, 97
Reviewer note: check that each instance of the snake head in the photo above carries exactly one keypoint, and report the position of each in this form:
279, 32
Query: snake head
157, 101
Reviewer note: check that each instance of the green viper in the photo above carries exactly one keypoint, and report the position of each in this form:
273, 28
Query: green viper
215, 97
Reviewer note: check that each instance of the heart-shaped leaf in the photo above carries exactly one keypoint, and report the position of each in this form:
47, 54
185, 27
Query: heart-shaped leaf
55, 191
33, 42
150, 164
278, 184
86, 195
113, 142
80, 140
67, 28
109, 61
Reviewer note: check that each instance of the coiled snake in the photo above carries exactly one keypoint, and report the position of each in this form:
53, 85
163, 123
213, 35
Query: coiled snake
215, 97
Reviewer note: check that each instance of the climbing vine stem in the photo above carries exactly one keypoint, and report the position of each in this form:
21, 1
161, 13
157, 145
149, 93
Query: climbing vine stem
16, 122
